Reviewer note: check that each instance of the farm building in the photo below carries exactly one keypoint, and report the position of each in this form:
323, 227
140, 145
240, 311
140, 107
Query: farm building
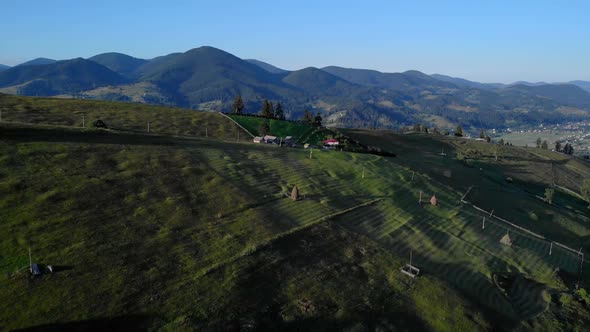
289, 141
331, 142
270, 139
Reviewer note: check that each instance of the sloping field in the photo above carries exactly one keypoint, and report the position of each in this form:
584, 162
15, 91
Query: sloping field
131, 117
519, 200
176, 233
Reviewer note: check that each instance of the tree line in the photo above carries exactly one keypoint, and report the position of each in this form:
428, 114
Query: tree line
268, 110
275, 111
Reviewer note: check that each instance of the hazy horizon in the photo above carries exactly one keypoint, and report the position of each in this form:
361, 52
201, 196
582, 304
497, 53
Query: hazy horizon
493, 42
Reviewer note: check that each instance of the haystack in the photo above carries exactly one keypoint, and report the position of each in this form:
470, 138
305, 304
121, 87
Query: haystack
433, 200
295, 193
506, 240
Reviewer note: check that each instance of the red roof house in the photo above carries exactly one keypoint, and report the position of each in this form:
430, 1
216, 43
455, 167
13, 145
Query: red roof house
331, 142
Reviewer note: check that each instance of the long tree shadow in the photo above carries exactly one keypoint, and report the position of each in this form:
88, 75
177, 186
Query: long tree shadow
140, 322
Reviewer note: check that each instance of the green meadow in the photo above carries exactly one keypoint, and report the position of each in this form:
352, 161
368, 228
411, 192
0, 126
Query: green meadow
176, 231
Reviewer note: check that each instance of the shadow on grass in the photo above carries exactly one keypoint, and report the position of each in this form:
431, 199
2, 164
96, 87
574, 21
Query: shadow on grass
124, 323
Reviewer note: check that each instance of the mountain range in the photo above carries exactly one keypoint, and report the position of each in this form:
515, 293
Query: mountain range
209, 78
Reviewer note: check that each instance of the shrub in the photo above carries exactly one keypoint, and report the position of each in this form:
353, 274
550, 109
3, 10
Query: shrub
99, 124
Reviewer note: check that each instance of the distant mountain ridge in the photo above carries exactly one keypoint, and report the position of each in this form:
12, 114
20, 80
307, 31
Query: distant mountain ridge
209, 78
266, 66
120, 63
67, 76
37, 61
3, 67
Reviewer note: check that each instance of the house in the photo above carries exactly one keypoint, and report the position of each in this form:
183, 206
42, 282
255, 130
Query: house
258, 139
289, 141
331, 142
271, 139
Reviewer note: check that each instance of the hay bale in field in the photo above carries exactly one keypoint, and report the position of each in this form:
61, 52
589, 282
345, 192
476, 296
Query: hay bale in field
434, 200
295, 193
506, 240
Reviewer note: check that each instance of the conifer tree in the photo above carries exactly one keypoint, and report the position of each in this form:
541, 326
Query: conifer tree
279, 114
266, 111
238, 105
307, 117
318, 119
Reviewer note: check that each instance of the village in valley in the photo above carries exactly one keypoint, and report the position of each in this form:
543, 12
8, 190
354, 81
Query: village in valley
575, 133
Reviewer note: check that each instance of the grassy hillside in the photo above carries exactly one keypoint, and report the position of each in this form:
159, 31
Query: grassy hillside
531, 171
117, 115
154, 231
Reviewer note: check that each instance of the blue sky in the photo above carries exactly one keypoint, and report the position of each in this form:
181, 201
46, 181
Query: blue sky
490, 41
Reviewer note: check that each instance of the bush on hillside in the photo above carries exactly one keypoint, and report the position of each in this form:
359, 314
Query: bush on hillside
99, 124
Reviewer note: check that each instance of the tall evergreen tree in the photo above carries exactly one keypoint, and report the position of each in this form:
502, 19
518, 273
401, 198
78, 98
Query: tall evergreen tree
318, 119
238, 105
279, 114
307, 117
459, 131
266, 111
482, 134
544, 145
538, 142
568, 149
557, 146
271, 110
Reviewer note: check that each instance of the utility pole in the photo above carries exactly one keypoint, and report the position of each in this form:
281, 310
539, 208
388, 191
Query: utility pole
413, 173
148, 126
363, 172
83, 121
310, 151
550, 248
483, 223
